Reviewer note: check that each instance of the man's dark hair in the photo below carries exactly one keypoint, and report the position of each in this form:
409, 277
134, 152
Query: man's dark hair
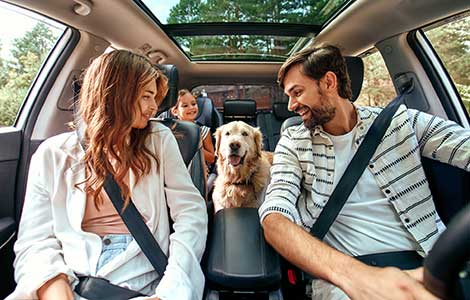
315, 62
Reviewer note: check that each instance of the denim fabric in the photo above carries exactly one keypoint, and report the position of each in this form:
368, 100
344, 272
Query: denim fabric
113, 245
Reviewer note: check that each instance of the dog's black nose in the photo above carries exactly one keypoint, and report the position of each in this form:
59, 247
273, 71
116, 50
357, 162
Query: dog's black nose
234, 146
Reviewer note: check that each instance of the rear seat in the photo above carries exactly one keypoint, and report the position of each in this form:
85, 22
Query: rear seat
270, 124
240, 110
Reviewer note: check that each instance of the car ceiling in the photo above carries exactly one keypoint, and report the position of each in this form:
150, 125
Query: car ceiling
358, 28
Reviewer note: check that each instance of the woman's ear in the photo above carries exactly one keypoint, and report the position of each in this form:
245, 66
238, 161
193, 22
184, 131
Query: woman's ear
258, 141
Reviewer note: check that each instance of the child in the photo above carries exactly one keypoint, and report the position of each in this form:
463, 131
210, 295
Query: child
186, 109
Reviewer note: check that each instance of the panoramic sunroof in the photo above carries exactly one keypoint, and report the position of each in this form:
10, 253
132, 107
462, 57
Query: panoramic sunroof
264, 30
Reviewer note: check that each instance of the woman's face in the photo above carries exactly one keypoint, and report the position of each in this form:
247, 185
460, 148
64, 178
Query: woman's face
146, 107
187, 108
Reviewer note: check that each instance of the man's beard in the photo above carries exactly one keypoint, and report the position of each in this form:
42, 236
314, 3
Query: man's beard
319, 116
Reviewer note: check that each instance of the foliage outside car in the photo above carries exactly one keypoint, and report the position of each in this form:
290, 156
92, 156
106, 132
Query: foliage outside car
28, 52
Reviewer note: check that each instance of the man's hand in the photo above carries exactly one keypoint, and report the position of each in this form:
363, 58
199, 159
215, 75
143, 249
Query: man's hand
386, 283
56, 288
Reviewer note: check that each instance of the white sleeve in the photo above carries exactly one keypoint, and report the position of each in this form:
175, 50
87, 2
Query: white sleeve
183, 278
442, 140
38, 252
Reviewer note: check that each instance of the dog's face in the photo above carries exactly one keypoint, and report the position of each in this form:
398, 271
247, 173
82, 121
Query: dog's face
238, 143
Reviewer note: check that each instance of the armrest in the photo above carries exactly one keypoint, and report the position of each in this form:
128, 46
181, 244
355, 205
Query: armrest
239, 258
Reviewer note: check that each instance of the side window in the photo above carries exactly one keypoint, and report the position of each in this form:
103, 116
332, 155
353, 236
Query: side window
377, 87
451, 41
25, 42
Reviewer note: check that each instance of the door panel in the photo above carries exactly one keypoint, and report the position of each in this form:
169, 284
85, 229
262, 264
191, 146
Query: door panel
10, 146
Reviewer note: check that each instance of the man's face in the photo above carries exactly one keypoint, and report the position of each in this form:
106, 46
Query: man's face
307, 98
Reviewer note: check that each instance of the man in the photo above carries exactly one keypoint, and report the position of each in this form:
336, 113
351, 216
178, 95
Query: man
391, 207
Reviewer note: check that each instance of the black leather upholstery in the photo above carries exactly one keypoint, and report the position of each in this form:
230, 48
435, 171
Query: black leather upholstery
238, 256
355, 67
187, 136
170, 99
240, 110
208, 115
281, 112
186, 133
270, 124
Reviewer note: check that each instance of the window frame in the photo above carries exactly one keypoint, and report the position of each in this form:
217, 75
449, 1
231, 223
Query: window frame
439, 76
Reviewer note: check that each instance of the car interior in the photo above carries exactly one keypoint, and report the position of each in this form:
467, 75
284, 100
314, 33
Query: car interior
230, 62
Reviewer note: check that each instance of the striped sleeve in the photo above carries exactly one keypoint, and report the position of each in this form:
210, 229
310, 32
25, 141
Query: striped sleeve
284, 188
442, 140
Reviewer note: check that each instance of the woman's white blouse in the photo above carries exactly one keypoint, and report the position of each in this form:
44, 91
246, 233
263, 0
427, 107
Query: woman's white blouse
51, 240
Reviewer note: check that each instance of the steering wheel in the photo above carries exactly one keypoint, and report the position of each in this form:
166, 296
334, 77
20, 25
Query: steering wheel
447, 258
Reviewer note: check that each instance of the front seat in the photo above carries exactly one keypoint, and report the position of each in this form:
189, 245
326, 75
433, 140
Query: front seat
186, 133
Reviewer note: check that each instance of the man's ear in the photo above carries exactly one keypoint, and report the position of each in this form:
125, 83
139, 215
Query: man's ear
330, 81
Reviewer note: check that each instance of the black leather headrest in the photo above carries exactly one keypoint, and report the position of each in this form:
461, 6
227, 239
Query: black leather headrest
205, 108
240, 107
187, 136
171, 72
355, 67
281, 112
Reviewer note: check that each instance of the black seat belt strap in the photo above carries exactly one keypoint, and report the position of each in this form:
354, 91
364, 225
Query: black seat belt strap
355, 169
131, 217
136, 226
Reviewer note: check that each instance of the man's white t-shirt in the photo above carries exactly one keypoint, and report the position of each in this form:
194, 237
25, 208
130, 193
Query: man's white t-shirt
366, 224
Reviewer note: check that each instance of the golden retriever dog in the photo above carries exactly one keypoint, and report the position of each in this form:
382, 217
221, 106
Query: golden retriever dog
243, 168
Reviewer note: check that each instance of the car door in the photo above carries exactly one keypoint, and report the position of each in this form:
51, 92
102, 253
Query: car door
32, 49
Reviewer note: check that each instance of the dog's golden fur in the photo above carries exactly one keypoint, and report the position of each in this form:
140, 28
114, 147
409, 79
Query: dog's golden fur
243, 168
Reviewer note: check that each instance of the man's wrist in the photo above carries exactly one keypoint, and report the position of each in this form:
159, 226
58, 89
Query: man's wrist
348, 273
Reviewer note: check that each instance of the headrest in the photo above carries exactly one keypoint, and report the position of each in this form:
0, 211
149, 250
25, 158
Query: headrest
205, 107
171, 72
281, 112
355, 67
240, 107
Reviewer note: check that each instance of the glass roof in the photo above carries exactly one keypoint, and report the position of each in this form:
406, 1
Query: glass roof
266, 30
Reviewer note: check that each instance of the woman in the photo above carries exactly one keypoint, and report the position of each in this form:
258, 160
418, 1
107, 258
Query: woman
69, 226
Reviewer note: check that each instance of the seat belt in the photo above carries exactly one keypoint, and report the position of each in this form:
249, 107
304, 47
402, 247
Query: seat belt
136, 226
356, 168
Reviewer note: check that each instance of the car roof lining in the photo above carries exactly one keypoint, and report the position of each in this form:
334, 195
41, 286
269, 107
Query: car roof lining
356, 29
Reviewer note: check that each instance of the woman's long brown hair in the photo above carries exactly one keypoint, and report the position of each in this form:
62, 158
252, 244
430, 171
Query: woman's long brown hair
108, 100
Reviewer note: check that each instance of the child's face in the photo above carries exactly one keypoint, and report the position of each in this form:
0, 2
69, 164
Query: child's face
187, 108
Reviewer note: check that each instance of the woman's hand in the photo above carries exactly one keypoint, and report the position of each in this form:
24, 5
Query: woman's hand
56, 288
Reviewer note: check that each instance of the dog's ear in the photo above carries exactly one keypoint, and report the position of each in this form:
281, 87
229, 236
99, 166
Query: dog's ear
258, 141
218, 137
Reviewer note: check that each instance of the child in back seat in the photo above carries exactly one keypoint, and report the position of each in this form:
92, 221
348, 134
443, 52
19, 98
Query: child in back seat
186, 110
